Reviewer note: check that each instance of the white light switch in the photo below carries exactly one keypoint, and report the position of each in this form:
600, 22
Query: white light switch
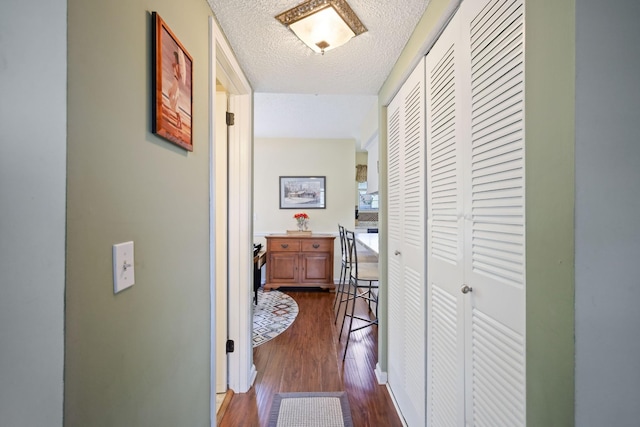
123, 270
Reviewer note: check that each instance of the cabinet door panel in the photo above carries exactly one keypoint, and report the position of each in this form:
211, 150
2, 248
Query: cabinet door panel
316, 268
283, 267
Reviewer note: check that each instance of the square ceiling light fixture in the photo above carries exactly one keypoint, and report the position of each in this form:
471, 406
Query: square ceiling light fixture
322, 24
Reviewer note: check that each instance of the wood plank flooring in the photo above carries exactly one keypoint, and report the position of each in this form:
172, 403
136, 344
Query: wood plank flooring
308, 357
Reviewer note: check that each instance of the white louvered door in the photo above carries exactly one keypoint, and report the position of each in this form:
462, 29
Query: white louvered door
406, 243
446, 313
495, 223
489, 322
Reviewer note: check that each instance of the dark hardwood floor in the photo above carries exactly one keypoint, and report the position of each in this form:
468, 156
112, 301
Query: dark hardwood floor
308, 357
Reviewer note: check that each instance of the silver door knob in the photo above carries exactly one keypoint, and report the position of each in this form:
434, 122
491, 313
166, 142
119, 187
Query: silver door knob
466, 289
396, 253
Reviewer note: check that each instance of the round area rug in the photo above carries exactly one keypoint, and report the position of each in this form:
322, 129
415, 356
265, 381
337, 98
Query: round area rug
273, 314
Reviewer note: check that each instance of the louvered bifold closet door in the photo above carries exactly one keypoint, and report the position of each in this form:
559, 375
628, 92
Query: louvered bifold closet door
445, 371
406, 248
394, 239
494, 208
475, 204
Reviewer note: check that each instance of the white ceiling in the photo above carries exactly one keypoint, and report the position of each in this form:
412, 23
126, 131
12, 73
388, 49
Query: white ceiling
286, 115
345, 79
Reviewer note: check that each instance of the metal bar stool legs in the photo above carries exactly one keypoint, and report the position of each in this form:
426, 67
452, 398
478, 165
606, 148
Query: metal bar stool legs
363, 280
344, 275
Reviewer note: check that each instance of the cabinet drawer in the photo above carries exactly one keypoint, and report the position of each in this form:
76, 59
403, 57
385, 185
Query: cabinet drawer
284, 245
316, 245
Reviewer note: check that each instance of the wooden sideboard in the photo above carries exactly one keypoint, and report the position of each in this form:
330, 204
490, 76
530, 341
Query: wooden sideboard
299, 260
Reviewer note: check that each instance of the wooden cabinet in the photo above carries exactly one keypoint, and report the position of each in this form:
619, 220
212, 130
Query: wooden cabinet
300, 261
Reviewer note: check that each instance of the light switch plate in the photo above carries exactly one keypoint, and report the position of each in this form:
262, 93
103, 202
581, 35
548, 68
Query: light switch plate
123, 270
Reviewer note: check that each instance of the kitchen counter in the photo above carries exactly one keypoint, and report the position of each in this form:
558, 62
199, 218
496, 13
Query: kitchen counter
369, 241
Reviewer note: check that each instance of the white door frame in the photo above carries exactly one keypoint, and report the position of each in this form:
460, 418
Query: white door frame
223, 67
220, 186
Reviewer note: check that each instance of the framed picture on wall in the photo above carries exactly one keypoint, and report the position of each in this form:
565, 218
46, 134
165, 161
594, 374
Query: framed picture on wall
303, 192
172, 86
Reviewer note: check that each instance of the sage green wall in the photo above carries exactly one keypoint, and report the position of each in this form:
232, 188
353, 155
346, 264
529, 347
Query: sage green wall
141, 357
33, 147
549, 169
333, 158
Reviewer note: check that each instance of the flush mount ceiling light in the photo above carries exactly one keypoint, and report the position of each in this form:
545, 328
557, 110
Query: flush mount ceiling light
322, 24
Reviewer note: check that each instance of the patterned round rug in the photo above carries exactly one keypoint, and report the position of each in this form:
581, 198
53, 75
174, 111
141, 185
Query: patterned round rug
273, 314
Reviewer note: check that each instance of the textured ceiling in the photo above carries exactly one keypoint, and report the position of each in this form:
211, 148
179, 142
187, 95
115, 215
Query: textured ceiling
286, 75
275, 60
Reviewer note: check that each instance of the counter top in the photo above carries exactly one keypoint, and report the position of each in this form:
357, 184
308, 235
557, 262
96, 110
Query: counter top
369, 241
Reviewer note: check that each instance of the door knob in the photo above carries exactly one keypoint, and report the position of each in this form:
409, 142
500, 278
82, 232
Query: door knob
466, 289
396, 253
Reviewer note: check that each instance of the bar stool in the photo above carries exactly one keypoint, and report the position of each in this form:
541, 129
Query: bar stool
344, 272
363, 281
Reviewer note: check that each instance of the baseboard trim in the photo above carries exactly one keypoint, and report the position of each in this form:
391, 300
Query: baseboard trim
381, 375
253, 376
223, 408
395, 405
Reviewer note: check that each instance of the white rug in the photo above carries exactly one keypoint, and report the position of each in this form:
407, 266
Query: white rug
310, 410
273, 314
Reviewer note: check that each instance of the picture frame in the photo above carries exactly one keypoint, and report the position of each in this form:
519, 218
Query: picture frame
303, 192
172, 86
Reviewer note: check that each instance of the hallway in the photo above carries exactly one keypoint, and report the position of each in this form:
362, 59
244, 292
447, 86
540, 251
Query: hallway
308, 357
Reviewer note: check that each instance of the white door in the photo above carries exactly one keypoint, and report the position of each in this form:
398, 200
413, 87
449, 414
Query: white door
494, 215
406, 243
476, 267
445, 118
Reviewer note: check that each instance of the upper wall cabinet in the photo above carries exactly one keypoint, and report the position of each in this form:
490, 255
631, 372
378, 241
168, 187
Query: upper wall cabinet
372, 165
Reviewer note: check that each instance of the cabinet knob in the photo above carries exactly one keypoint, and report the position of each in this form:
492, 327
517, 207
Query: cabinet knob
316, 245
397, 253
465, 289
284, 245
